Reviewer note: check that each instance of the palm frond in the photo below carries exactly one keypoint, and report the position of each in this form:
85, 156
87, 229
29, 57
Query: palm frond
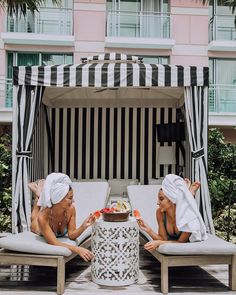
21, 6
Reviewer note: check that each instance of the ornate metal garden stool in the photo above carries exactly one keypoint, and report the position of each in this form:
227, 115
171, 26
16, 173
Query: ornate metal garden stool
116, 249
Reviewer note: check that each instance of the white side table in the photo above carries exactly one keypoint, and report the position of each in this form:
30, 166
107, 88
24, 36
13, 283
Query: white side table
116, 249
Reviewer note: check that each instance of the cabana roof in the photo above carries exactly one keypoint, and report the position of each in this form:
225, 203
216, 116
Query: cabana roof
112, 80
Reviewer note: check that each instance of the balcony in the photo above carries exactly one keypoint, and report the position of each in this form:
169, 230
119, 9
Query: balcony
222, 98
222, 33
5, 101
222, 105
138, 30
48, 26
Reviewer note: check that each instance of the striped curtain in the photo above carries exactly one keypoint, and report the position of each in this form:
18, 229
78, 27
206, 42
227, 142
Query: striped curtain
197, 123
27, 100
110, 142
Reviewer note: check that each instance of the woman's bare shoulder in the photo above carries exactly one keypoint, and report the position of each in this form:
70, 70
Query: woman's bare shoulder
72, 209
44, 215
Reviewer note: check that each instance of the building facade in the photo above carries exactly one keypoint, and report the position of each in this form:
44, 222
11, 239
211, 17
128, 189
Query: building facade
177, 32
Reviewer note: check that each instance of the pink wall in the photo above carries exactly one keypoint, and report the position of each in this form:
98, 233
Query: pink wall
89, 25
186, 3
90, 1
189, 21
3, 62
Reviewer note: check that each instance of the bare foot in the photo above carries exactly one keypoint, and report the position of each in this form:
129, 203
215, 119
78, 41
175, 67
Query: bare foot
188, 182
40, 187
37, 187
194, 187
33, 187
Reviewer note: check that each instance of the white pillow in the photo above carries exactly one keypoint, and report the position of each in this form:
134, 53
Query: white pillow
155, 180
89, 180
119, 186
144, 199
89, 197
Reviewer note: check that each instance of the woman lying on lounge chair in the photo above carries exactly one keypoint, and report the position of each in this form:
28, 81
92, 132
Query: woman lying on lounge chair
178, 218
54, 214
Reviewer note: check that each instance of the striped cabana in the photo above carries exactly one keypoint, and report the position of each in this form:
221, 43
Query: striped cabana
98, 119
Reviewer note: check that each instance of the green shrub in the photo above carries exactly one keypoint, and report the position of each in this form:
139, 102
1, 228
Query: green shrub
222, 176
5, 182
221, 221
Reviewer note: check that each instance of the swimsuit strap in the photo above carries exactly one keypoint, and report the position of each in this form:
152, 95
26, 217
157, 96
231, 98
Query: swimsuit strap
173, 236
58, 234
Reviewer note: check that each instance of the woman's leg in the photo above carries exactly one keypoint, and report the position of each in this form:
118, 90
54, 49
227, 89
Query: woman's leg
37, 188
34, 216
193, 187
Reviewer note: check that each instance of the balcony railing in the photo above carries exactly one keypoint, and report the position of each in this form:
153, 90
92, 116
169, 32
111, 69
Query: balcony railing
138, 24
221, 27
6, 93
222, 98
47, 21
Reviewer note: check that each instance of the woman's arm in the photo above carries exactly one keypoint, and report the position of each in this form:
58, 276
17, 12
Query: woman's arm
145, 227
74, 232
161, 227
152, 245
50, 237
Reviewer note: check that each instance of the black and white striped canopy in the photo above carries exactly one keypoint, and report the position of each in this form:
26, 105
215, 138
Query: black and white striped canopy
105, 140
113, 72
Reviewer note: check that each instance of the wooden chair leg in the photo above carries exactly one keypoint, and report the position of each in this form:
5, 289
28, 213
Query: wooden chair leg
60, 276
232, 273
164, 275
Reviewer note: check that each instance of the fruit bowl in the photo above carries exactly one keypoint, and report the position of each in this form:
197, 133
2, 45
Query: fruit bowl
120, 212
116, 216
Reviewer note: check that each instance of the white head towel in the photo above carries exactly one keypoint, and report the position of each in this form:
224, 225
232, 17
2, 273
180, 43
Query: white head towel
58, 192
55, 189
188, 217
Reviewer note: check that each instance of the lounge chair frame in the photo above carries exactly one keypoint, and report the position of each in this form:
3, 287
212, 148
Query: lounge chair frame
167, 261
17, 258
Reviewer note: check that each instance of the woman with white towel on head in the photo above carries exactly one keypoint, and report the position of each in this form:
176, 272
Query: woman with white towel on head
178, 218
54, 214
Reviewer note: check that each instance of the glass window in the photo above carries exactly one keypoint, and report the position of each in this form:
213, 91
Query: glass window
164, 60
225, 71
27, 59
63, 4
10, 65
56, 59
31, 59
222, 89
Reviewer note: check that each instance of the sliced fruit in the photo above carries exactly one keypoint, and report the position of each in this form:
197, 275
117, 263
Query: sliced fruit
137, 214
105, 210
125, 205
97, 214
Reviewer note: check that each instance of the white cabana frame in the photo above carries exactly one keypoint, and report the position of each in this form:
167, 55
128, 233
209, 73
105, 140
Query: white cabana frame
109, 80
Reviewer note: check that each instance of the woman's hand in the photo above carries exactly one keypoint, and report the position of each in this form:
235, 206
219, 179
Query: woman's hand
84, 253
152, 245
143, 225
88, 221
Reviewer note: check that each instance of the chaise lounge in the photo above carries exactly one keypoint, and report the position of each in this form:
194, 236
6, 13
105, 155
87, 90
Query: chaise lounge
212, 251
27, 248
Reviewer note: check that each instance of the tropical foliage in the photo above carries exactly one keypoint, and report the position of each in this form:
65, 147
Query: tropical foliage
5, 183
20, 6
222, 176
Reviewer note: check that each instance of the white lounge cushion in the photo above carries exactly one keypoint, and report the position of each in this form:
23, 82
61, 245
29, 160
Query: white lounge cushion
89, 197
87, 233
212, 246
31, 243
144, 198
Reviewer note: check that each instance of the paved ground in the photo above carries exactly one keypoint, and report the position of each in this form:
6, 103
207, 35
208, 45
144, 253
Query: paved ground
211, 280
